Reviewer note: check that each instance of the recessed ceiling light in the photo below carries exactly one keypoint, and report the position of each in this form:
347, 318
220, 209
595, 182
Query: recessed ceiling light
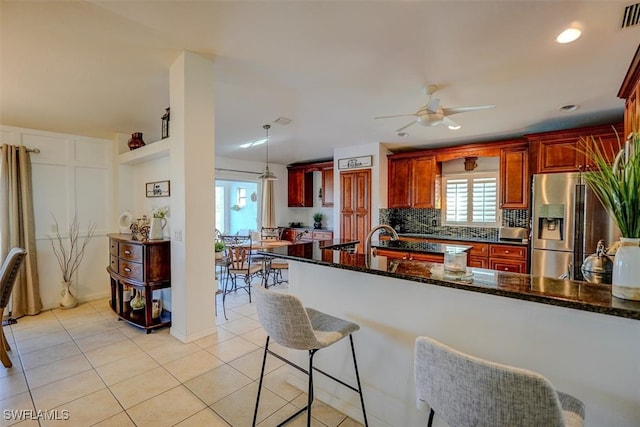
568, 108
402, 134
456, 127
569, 35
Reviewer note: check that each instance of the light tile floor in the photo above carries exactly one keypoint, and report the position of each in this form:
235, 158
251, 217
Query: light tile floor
85, 368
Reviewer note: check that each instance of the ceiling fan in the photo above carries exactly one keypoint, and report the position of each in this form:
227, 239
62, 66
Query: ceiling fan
434, 114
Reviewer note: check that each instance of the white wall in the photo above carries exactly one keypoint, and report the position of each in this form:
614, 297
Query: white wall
72, 175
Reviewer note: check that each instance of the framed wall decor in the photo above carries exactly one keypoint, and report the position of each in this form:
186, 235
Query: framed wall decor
158, 189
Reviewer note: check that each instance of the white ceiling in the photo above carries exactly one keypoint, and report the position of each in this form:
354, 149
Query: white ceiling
96, 68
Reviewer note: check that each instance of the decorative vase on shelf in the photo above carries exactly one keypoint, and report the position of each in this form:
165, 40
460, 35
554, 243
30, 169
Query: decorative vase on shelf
67, 299
135, 141
157, 227
626, 270
137, 303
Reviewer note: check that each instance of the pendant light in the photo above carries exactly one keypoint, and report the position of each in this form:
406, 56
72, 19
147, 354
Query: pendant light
267, 175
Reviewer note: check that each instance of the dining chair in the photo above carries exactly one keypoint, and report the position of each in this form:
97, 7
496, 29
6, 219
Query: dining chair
467, 391
8, 274
240, 267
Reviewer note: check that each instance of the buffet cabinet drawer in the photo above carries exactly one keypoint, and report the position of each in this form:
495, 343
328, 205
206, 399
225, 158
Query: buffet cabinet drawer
113, 247
131, 270
130, 251
506, 251
511, 266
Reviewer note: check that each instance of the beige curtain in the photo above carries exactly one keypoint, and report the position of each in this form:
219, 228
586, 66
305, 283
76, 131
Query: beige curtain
268, 204
17, 226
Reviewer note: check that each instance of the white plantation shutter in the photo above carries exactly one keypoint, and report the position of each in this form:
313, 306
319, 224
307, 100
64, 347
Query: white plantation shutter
484, 200
471, 200
457, 196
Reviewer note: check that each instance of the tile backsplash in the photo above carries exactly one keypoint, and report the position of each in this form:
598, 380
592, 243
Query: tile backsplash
428, 221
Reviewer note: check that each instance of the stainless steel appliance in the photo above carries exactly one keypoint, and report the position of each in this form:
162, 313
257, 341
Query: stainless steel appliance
567, 222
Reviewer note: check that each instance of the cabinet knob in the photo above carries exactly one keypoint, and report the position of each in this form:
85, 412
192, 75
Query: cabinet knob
506, 252
127, 252
127, 269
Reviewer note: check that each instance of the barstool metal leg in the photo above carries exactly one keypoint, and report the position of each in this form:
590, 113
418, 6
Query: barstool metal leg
431, 414
355, 365
264, 362
310, 391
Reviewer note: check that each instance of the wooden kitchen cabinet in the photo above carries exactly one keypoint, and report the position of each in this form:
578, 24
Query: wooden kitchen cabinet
630, 92
300, 187
558, 151
327, 186
412, 181
306, 235
508, 258
355, 198
514, 177
411, 256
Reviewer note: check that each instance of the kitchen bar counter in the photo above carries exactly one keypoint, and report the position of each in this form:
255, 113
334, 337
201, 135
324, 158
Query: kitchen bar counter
574, 333
565, 293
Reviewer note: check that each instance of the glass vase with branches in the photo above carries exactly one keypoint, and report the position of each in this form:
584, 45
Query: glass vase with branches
70, 249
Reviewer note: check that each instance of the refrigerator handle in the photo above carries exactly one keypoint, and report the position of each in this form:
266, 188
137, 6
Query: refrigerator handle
568, 275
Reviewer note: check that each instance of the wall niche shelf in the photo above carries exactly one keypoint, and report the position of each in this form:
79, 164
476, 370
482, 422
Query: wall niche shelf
151, 151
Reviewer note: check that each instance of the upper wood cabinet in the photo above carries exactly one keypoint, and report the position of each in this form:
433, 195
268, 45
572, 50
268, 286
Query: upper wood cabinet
558, 151
412, 181
300, 187
300, 184
630, 91
514, 177
327, 186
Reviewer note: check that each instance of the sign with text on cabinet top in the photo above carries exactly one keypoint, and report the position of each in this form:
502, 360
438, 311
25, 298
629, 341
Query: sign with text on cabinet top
355, 162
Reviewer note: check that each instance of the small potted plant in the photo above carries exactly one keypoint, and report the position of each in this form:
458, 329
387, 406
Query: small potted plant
219, 248
317, 220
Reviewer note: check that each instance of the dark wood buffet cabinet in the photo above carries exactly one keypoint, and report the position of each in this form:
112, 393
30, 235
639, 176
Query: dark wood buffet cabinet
139, 266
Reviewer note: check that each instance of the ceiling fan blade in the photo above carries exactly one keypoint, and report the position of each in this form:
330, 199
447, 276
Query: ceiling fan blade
397, 115
406, 126
433, 105
456, 110
448, 122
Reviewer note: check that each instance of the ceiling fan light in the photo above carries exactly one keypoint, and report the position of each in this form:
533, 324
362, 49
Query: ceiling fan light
569, 35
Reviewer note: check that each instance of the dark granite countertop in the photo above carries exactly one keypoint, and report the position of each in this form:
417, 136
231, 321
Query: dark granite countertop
419, 247
464, 239
564, 293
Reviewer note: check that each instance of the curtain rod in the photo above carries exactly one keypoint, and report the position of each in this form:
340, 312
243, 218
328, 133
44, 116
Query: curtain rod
236, 170
33, 150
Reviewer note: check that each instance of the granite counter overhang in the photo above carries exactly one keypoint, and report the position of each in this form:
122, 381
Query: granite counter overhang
564, 293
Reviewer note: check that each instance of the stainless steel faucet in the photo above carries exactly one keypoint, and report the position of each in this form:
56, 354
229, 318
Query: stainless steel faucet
367, 243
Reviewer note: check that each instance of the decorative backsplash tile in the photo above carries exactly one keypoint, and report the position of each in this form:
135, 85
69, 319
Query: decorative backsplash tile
428, 221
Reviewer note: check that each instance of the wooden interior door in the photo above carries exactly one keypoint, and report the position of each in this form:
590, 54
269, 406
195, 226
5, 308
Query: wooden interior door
355, 216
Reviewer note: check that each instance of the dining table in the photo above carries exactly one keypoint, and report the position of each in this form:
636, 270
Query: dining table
266, 260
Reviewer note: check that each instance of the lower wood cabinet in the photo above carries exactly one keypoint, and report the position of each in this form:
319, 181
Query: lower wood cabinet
389, 253
494, 256
306, 235
139, 267
508, 258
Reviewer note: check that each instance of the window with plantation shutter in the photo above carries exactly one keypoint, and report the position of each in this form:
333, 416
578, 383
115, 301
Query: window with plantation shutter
471, 200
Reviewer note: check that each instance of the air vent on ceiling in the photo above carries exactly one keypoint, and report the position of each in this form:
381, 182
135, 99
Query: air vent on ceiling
631, 15
282, 121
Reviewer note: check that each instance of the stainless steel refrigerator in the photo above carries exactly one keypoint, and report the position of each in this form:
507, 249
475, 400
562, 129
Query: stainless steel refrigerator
567, 222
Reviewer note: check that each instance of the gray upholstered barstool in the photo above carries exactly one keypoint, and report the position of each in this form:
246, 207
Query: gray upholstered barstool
467, 391
291, 325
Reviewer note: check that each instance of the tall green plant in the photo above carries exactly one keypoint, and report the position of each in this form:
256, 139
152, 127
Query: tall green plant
618, 185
